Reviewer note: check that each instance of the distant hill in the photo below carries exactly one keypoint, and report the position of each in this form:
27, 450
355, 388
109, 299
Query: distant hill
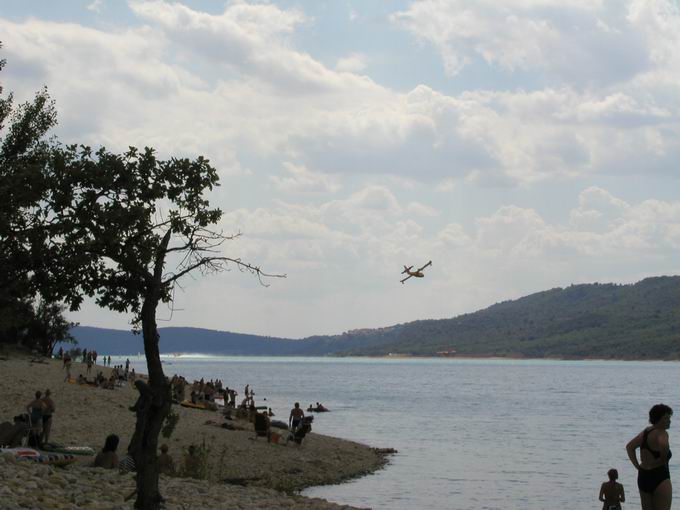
639, 321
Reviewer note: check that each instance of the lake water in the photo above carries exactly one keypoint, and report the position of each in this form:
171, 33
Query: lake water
471, 434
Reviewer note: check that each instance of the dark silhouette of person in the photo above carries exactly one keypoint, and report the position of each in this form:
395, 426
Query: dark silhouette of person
611, 492
296, 415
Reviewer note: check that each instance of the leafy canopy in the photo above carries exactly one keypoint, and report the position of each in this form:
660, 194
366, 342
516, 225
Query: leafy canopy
114, 216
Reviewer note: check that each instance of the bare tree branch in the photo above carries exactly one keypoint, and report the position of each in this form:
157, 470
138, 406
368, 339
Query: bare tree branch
217, 264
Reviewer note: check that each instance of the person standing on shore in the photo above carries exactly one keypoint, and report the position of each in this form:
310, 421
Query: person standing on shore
36, 409
48, 411
296, 415
611, 492
654, 478
67, 366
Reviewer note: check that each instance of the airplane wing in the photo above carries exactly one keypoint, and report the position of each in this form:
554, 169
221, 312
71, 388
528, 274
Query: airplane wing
428, 264
409, 276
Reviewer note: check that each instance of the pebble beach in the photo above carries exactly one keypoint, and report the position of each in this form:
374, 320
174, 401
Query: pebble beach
258, 474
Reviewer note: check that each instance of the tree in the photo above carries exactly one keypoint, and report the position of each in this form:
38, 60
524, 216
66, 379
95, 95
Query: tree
24, 156
48, 327
115, 221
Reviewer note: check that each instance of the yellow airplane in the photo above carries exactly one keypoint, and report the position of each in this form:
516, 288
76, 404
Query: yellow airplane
418, 273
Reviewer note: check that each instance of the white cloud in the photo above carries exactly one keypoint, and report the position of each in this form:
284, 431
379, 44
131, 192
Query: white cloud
419, 209
354, 63
300, 179
95, 6
233, 86
598, 210
577, 41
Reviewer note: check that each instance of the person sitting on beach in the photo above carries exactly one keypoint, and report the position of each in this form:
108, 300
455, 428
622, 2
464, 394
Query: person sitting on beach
611, 492
262, 425
166, 466
107, 458
81, 379
296, 415
12, 434
192, 463
49, 409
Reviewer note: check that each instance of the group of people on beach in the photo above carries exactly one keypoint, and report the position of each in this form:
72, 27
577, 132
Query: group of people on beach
118, 375
107, 458
653, 475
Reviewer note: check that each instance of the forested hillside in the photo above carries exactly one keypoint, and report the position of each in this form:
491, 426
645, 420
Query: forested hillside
580, 321
594, 320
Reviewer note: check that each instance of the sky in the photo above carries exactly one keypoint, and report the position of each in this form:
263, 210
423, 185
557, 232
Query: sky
519, 145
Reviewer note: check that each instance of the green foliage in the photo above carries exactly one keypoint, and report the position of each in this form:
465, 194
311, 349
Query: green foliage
24, 158
113, 216
48, 327
169, 424
24, 155
196, 462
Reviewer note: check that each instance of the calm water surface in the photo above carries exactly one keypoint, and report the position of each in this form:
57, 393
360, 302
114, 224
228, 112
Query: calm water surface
471, 434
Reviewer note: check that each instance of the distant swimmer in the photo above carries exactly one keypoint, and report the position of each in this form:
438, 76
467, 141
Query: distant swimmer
418, 273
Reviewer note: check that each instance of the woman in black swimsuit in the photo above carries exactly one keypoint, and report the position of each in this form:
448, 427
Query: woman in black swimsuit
654, 479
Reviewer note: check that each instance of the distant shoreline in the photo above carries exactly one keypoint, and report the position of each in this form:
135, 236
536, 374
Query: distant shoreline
188, 355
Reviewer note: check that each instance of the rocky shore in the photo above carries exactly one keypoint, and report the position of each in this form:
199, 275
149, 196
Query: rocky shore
241, 472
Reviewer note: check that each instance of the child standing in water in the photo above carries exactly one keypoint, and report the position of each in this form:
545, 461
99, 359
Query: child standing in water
611, 492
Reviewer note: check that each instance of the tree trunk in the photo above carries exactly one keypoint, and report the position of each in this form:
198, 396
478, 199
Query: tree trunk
154, 401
